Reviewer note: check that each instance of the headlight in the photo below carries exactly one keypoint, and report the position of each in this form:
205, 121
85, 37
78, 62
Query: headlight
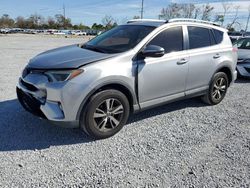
25, 71
64, 75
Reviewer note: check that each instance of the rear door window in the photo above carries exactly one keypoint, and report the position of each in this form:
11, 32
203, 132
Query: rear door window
199, 37
212, 37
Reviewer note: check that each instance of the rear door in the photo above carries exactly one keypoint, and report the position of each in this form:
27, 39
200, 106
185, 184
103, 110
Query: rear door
203, 55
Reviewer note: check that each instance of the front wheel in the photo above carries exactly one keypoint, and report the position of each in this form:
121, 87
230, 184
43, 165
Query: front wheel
217, 89
105, 114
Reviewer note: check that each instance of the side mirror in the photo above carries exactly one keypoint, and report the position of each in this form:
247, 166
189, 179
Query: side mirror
153, 51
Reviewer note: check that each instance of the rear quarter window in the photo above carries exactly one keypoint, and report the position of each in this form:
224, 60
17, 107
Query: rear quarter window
218, 35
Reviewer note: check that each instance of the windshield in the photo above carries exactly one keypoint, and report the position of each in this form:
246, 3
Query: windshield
243, 43
119, 39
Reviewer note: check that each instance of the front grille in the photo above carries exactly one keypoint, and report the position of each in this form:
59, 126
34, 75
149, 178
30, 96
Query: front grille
247, 69
30, 103
28, 86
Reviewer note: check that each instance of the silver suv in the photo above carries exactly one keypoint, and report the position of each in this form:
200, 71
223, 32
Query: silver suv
139, 65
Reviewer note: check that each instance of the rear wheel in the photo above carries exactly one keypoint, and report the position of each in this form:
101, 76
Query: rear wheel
105, 114
217, 89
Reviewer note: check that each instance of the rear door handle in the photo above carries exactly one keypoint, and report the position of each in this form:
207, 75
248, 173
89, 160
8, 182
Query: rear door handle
182, 61
216, 56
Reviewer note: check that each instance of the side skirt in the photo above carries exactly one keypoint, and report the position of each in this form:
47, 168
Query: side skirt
173, 98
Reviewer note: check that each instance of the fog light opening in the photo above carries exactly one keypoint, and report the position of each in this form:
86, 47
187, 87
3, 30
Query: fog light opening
60, 106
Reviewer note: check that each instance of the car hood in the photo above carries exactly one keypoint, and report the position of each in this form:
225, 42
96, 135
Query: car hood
243, 54
68, 57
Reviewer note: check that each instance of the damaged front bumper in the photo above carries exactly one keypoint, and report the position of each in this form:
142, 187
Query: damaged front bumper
45, 99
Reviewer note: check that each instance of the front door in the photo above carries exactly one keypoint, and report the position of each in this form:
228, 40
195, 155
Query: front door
163, 78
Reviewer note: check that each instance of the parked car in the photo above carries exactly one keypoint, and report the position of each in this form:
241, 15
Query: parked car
130, 68
59, 32
243, 65
5, 31
234, 36
51, 31
30, 31
78, 33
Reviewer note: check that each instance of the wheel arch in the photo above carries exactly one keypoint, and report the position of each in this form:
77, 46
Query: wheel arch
117, 85
227, 71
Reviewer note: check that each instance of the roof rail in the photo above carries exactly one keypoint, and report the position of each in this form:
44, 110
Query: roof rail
191, 20
146, 20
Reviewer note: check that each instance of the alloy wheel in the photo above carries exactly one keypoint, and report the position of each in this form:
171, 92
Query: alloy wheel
108, 114
219, 88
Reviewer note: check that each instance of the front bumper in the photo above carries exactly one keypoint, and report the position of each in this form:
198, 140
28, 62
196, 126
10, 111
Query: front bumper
244, 69
56, 102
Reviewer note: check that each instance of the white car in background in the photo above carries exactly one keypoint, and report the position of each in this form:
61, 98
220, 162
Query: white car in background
5, 30
59, 33
79, 33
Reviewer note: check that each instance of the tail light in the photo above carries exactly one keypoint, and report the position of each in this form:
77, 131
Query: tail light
235, 49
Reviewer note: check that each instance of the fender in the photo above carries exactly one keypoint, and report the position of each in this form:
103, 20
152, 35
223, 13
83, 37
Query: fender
221, 67
135, 107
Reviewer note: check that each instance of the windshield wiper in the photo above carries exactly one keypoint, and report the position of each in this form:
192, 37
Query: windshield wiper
93, 48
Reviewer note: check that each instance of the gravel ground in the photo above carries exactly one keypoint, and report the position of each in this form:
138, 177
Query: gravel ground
183, 144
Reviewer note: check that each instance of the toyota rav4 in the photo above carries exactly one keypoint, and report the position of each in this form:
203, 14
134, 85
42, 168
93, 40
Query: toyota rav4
132, 67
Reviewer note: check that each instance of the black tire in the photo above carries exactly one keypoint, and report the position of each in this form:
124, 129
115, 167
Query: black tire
105, 114
217, 89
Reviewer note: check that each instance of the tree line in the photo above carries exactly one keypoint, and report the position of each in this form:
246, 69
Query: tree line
173, 10
206, 12
36, 21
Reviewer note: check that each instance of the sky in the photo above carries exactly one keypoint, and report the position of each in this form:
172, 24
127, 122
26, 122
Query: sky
91, 11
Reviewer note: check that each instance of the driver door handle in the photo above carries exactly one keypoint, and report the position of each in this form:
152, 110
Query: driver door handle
182, 61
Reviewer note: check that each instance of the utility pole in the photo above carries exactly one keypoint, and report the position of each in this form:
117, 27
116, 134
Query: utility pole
248, 19
142, 7
64, 16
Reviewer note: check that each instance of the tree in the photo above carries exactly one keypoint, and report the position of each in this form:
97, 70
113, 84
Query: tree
206, 12
6, 21
80, 27
35, 21
21, 22
62, 22
109, 22
234, 20
219, 18
176, 10
51, 23
173, 10
226, 6
59, 20
98, 26
188, 10
248, 18
136, 17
